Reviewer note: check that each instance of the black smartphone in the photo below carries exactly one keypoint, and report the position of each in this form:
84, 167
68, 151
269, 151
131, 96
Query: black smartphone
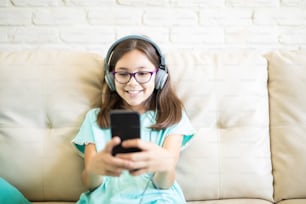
126, 125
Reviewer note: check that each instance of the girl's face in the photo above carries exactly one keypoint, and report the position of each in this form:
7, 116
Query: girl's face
133, 93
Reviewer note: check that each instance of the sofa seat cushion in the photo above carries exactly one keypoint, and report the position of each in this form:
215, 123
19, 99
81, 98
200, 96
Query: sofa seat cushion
293, 201
232, 201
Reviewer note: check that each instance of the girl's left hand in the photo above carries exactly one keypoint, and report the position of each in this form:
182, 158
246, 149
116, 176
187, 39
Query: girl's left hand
152, 158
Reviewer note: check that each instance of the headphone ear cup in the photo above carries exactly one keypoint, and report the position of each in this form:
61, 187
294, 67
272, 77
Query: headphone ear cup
160, 79
109, 79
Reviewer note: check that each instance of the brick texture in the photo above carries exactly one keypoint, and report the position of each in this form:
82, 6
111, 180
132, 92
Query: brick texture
186, 24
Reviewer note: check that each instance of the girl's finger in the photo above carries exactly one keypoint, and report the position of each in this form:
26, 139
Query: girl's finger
137, 143
138, 156
111, 144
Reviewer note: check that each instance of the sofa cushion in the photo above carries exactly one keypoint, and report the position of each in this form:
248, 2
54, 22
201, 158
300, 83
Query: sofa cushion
232, 201
44, 97
226, 97
10, 194
293, 201
287, 85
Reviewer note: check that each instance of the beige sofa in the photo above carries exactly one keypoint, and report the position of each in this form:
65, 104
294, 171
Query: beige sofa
249, 111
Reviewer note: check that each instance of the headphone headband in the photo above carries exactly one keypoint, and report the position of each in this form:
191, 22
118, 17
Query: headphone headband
163, 72
135, 37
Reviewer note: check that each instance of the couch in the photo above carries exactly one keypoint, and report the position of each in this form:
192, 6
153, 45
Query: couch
249, 111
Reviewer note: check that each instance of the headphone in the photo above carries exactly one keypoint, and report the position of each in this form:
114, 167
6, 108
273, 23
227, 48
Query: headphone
161, 74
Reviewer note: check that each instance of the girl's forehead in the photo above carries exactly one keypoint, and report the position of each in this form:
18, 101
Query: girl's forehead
134, 59
129, 68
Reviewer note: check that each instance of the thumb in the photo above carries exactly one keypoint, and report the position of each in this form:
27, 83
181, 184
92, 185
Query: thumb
111, 144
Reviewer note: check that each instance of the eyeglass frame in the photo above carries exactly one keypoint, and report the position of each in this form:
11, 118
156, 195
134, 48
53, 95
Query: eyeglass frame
133, 74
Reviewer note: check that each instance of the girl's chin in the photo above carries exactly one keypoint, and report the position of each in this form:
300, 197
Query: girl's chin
134, 105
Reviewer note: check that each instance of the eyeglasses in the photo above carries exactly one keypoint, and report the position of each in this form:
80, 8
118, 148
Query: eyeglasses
141, 77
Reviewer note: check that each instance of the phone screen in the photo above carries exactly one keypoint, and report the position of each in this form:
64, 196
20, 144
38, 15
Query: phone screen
126, 125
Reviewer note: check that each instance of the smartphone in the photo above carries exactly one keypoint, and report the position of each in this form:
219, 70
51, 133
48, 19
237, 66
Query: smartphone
126, 125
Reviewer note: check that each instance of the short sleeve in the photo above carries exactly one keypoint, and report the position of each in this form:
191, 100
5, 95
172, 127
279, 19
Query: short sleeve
185, 128
86, 132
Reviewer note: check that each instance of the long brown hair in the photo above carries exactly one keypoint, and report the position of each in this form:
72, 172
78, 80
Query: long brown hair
165, 102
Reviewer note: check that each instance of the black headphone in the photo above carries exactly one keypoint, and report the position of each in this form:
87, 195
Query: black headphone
161, 74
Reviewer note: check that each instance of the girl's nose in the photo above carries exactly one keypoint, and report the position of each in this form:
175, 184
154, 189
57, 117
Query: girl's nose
132, 80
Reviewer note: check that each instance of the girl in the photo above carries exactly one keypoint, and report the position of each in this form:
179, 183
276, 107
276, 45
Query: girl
137, 80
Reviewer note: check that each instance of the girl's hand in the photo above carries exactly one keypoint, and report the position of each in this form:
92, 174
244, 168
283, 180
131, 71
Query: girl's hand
104, 163
152, 158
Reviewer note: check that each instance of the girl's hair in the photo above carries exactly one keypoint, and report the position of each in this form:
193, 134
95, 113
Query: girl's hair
165, 102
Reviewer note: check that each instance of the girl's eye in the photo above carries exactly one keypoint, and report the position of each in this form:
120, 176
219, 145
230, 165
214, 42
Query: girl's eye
142, 73
123, 74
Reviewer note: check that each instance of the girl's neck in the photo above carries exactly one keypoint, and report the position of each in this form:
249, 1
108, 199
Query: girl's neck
140, 109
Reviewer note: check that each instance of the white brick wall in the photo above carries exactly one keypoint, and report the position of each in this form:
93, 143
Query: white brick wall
93, 25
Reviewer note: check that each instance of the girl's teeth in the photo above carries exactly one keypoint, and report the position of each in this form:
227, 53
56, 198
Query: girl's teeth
133, 91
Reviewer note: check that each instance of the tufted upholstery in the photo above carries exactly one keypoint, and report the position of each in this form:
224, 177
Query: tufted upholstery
227, 99
249, 111
44, 96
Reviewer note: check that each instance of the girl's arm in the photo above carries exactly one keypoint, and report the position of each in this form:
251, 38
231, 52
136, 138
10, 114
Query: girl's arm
99, 164
89, 179
165, 179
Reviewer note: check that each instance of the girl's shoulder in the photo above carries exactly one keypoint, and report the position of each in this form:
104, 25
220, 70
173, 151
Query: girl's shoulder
92, 114
93, 111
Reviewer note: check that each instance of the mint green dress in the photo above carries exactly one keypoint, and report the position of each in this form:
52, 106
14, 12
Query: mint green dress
126, 188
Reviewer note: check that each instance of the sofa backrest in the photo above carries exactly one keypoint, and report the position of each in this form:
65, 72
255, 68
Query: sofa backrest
287, 85
226, 97
44, 97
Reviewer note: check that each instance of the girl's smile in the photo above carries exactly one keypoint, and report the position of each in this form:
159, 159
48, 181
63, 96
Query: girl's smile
133, 92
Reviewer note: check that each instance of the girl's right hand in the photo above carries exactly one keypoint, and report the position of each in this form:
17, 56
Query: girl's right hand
103, 162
